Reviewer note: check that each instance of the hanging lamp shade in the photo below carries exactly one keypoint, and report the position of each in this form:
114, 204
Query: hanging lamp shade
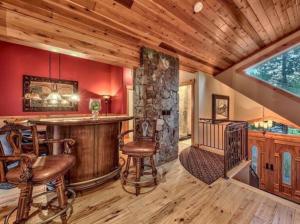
261, 124
32, 96
64, 102
74, 97
270, 123
54, 97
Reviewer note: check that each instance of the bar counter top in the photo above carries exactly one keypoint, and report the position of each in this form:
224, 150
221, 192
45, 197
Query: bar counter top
67, 121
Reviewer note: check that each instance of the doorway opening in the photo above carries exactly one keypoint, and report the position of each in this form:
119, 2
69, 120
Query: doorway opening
186, 110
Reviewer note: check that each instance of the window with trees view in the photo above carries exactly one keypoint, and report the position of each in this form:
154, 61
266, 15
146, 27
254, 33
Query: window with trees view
281, 71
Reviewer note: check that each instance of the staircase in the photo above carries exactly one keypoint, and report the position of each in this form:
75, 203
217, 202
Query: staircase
253, 178
248, 176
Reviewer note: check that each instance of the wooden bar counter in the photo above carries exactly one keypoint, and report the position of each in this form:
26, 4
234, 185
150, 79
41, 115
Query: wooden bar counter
96, 148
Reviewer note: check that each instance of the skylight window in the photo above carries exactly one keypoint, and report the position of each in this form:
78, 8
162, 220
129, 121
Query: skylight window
281, 71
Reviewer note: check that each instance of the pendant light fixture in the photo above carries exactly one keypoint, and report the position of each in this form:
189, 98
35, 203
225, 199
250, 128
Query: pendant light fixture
54, 97
74, 97
264, 124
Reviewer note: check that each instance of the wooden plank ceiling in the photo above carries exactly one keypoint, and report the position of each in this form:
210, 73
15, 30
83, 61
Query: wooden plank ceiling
221, 35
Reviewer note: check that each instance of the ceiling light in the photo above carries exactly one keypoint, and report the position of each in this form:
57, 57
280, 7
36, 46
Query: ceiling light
198, 7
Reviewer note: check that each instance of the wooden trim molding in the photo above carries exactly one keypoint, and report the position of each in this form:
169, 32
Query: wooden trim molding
189, 82
278, 49
192, 83
128, 87
276, 89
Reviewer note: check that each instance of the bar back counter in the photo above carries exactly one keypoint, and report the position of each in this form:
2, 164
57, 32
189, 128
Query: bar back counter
96, 148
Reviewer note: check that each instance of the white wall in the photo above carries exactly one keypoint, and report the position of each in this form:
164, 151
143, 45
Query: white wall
241, 107
205, 86
208, 85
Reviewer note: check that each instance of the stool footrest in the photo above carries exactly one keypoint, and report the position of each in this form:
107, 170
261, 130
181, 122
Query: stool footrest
68, 207
139, 172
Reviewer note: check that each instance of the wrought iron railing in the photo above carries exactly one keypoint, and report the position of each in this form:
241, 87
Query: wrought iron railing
229, 136
236, 145
211, 133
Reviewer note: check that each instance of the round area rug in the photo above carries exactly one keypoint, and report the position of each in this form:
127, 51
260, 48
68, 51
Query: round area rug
205, 165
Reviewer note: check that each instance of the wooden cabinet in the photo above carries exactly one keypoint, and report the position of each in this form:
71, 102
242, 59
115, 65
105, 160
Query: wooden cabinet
258, 159
287, 170
297, 175
277, 163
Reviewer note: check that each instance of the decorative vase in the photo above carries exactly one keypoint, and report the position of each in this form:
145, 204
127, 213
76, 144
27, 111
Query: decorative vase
95, 114
95, 107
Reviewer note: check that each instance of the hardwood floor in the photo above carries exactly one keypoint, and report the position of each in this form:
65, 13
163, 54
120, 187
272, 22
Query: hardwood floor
181, 198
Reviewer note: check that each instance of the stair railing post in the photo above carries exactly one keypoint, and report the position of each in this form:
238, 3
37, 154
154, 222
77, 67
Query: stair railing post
225, 152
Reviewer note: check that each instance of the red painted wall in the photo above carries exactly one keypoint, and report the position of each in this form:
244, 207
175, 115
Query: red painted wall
117, 90
94, 78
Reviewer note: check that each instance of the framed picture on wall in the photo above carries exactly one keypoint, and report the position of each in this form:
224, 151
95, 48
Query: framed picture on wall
37, 94
220, 107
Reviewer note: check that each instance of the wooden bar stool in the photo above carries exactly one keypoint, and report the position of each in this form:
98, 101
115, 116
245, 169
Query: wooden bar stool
32, 170
143, 147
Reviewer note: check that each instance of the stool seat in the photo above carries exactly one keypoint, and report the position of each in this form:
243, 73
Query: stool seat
140, 147
32, 169
44, 169
143, 147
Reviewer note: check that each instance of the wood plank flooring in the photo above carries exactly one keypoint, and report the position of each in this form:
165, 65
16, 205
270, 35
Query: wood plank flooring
181, 198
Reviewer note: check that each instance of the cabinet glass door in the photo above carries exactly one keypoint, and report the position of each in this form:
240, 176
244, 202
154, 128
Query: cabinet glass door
254, 158
287, 168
